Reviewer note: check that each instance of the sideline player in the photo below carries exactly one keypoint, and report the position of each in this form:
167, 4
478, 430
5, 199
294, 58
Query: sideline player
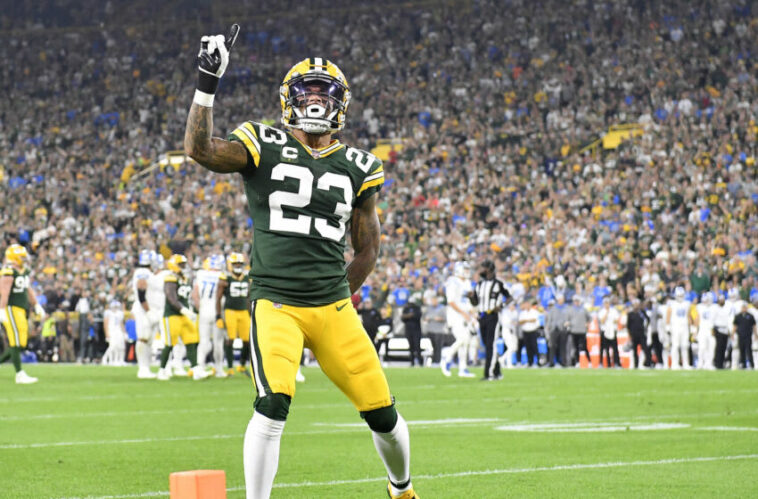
178, 317
145, 317
15, 297
235, 314
204, 295
678, 319
705, 335
459, 317
115, 334
304, 188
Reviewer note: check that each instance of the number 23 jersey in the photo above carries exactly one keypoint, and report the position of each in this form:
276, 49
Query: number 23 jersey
301, 201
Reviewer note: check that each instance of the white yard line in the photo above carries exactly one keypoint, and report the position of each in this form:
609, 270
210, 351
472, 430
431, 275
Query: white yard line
460, 474
336, 428
77, 415
509, 398
727, 428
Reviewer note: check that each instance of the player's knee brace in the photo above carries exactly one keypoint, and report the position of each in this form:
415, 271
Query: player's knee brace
381, 420
274, 406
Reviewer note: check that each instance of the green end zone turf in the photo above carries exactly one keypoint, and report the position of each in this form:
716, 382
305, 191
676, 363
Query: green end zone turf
90, 431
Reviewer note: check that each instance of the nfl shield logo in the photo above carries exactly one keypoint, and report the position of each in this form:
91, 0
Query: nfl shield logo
277, 305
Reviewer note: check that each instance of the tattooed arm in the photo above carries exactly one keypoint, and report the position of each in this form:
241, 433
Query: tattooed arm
365, 239
215, 154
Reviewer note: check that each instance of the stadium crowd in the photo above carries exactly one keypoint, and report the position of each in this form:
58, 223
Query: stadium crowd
494, 107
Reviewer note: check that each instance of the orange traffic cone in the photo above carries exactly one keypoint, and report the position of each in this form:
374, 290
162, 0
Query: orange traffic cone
583, 362
198, 484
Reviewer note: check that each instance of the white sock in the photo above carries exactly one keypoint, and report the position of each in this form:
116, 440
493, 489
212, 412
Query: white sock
142, 352
218, 351
261, 455
395, 450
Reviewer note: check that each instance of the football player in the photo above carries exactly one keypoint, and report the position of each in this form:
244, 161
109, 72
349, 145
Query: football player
115, 334
204, 294
146, 318
459, 318
734, 305
235, 314
705, 337
304, 189
15, 297
178, 318
678, 320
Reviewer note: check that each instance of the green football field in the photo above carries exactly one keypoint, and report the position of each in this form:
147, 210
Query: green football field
91, 431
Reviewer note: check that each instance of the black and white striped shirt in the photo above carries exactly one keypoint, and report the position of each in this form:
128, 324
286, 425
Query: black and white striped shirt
489, 294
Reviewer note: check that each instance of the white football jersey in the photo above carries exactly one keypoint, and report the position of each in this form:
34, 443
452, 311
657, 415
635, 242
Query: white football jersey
207, 284
721, 318
734, 307
115, 321
156, 296
456, 291
139, 274
609, 321
679, 313
705, 313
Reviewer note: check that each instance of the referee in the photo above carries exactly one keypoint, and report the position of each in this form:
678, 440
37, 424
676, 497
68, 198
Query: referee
488, 297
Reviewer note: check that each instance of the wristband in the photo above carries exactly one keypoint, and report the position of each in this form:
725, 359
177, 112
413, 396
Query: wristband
203, 99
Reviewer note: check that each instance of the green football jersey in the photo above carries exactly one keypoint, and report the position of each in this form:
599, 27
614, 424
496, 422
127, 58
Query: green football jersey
301, 201
236, 292
19, 295
183, 292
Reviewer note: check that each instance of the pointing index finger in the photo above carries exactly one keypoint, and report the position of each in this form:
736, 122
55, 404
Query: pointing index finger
232, 37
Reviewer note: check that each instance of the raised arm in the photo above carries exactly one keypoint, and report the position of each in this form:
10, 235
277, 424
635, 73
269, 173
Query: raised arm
365, 239
215, 154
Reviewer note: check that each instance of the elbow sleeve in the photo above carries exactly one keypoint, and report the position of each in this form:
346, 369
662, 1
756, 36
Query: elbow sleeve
141, 295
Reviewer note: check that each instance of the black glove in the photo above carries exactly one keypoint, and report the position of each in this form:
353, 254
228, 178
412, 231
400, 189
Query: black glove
211, 64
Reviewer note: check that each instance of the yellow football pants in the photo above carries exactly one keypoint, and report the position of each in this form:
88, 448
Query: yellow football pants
336, 337
175, 327
16, 327
237, 324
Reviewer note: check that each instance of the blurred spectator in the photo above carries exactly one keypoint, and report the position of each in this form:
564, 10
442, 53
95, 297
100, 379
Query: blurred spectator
370, 317
608, 318
411, 316
579, 319
434, 326
529, 322
65, 337
83, 309
636, 323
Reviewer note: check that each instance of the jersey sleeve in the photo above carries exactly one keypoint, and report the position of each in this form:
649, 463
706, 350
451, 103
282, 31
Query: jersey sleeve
6, 271
372, 182
222, 277
170, 278
248, 135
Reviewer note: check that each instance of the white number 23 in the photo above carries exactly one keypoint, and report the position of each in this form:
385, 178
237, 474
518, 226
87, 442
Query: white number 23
301, 224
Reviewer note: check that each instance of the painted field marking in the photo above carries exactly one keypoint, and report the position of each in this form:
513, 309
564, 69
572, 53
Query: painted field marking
510, 398
420, 422
606, 425
727, 428
460, 474
590, 427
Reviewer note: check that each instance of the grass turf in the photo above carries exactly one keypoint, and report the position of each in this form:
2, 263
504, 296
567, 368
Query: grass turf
91, 431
